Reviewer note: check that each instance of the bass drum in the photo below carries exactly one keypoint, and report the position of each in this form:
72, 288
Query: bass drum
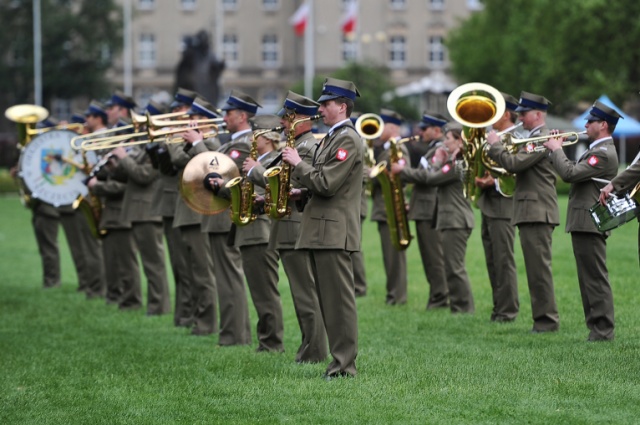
51, 171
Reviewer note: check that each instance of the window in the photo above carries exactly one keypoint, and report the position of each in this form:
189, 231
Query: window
61, 108
188, 4
436, 50
349, 48
397, 53
229, 5
270, 4
271, 101
230, 49
146, 4
270, 50
398, 4
147, 50
436, 4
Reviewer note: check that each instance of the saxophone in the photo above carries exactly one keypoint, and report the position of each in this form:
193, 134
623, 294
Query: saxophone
90, 205
242, 189
279, 177
394, 196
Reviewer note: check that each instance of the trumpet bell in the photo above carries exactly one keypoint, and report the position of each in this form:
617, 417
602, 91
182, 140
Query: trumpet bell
476, 105
369, 126
192, 189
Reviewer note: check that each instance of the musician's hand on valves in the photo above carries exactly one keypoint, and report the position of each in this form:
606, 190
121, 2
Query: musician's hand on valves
192, 136
554, 143
485, 181
248, 164
290, 156
295, 194
397, 167
605, 193
493, 137
119, 152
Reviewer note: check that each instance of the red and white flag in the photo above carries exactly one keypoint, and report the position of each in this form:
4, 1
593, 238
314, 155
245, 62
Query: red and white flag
350, 17
300, 18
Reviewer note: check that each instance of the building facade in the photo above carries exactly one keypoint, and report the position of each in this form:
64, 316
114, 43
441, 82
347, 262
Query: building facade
264, 57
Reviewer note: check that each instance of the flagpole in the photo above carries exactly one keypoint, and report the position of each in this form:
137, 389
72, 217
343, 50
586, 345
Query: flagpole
309, 40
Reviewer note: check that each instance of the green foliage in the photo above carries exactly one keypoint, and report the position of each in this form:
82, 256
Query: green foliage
569, 51
67, 360
373, 82
78, 39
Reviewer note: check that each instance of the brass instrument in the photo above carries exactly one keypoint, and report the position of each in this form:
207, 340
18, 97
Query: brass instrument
369, 127
242, 189
534, 144
90, 205
26, 116
475, 106
393, 195
506, 182
279, 177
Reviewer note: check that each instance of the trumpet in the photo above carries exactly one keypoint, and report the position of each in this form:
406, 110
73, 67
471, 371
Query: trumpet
534, 144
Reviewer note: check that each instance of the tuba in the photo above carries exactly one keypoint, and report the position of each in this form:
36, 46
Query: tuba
394, 196
242, 189
279, 177
475, 106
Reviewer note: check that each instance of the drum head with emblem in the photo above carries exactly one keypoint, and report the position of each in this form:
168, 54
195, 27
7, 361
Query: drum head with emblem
51, 170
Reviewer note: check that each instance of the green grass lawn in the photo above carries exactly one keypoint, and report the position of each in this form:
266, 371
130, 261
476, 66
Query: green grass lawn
66, 360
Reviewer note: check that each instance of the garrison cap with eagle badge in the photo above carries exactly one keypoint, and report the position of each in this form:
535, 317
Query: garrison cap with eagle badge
183, 97
121, 99
200, 106
601, 112
241, 101
530, 101
510, 102
334, 88
391, 117
298, 104
96, 108
432, 120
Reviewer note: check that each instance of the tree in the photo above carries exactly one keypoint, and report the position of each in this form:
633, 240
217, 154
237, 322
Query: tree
372, 82
79, 38
569, 51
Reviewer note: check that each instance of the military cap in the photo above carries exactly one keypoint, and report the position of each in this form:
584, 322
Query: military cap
299, 105
124, 122
242, 101
530, 101
432, 120
48, 122
265, 122
121, 99
601, 112
156, 108
183, 97
200, 106
334, 88
77, 118
391, 117
96, 108
511, 103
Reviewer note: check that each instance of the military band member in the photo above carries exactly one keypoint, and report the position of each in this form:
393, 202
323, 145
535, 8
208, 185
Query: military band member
535, 209
422, 210
454, 217
118, 246
395, 261
284, 233
357, 258
119, 106
330, 227
589, 245
498, 233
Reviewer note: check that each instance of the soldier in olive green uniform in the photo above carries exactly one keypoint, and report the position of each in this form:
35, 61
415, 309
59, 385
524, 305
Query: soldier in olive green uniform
395, 261
589, 245
535, 209
498, 233
331, 228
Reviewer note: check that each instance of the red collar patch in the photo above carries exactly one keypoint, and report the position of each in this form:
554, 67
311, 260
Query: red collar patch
593, 160
341, 155
234, 154
446, 168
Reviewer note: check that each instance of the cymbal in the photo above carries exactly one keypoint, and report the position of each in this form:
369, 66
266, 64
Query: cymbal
195, 195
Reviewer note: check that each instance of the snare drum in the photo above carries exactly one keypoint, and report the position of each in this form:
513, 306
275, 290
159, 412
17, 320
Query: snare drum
615, 213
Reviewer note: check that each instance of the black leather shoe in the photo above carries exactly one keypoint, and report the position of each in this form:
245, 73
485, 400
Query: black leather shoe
330, 377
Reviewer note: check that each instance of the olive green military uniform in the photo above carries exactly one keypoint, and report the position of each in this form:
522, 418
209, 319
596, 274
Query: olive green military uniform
357, 258
45, 220
535, 212
589, 245
626, 181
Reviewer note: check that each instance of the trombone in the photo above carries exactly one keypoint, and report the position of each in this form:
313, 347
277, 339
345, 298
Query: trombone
535, 144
